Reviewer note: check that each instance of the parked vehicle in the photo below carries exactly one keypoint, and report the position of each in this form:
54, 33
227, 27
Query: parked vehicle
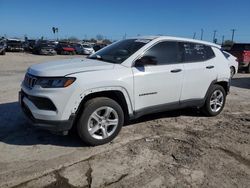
83, 49
29, 45
44, 48
232, 63
14, 45
126, 80
242, 52
65, 49
99, 46
3, 46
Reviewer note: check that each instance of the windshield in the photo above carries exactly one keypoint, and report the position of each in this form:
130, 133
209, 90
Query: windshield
119, 51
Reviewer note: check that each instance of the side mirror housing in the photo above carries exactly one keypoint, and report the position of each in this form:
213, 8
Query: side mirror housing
144, 61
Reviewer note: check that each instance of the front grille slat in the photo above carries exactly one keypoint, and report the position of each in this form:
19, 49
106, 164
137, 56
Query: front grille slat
30, 81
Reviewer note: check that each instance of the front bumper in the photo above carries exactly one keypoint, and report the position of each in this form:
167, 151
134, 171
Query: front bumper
47, 52
52, 125
15, 49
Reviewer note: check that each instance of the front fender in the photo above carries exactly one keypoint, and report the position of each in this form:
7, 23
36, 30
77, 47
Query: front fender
75, 106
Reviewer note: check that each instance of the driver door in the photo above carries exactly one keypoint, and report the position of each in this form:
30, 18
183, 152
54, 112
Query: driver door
158, 78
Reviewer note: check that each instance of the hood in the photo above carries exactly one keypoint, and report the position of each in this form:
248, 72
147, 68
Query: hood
68, 66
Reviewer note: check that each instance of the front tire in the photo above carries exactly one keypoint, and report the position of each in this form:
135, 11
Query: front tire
215, 101
3, 52
100, 122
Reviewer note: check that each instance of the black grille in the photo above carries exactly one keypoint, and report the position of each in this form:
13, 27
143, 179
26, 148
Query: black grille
30, 81
41, 102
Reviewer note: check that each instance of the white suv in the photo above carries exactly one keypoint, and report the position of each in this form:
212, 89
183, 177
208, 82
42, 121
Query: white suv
125, 80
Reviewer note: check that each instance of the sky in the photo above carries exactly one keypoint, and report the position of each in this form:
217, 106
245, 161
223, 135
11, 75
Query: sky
115, 18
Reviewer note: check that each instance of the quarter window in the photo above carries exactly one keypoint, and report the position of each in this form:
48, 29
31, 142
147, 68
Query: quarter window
193, 52
162, 53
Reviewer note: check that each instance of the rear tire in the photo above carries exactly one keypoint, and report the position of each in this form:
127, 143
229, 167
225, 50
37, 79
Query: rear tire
100, 122
232, 72
215, 101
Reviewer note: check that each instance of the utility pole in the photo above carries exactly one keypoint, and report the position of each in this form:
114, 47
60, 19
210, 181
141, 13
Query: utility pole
202, 33
215, 31
222, 41
125, 36
194, 36
233, 31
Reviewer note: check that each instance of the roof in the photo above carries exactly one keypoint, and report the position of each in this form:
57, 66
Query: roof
178, 39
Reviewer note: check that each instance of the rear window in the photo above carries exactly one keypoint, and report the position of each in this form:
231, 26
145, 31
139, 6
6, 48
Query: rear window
240, 47
226, 54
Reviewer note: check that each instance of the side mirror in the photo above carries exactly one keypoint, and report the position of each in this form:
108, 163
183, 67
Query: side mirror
145, 60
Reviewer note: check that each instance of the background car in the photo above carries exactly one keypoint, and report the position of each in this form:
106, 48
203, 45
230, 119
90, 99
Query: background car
44, 48
3, 46
29, 45
14, 45
83, 49
65, 49
99, 46
242, 52
232, 62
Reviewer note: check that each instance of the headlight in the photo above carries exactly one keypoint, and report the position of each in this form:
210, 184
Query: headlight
55, 82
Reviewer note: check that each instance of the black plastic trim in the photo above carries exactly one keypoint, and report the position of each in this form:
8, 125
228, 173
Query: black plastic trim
55, 126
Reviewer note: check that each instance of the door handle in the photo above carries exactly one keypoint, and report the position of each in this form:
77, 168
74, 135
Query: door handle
176, 70
210, 67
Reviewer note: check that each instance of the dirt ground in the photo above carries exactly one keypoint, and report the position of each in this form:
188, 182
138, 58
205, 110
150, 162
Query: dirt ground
172, 149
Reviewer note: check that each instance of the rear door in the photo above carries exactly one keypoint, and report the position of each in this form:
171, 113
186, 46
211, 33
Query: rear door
199, 70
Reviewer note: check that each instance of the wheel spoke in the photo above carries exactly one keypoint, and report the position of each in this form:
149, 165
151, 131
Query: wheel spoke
96, 117
104, 132
220, 96
219, 104
94, 129
107, 113
112, 121
212, 102
215, 107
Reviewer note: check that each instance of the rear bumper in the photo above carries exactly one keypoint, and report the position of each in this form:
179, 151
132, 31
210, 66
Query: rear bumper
243, 65
55, 126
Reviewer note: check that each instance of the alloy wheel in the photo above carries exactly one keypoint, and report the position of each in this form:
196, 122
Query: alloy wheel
103, 122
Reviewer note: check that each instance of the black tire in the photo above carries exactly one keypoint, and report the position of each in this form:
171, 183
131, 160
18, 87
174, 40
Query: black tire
89, 108
3, 52
232, 72
207, 109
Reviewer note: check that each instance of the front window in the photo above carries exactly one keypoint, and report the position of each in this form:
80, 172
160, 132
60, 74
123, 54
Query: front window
120, 51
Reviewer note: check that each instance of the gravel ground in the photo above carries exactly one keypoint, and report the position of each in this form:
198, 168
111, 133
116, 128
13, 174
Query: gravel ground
172, 149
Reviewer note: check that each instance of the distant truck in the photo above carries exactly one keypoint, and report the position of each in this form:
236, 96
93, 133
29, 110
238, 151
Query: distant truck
14, 45
242, 52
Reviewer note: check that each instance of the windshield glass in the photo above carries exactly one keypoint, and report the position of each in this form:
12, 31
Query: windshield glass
119, 51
